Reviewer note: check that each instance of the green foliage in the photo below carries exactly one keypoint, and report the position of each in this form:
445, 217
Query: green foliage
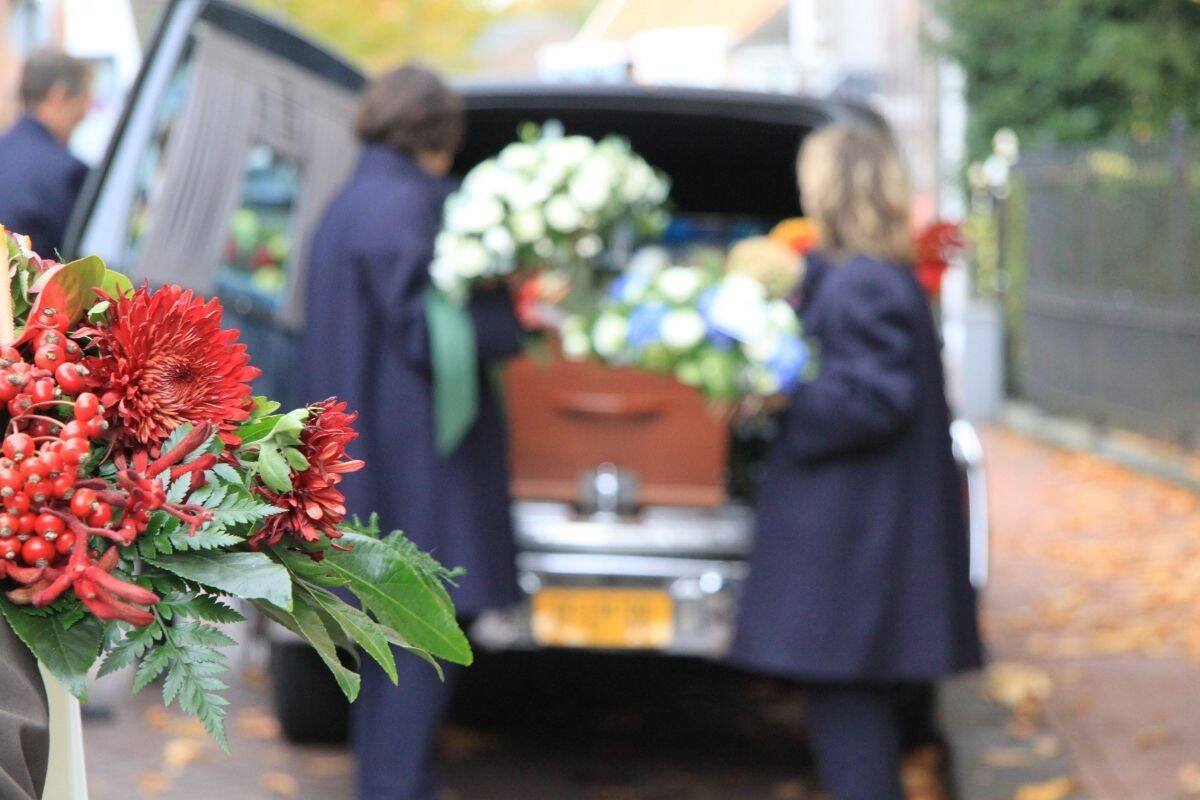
401, 587
319, 630
188, 651
67, 650
233, 508
357, 625
380, 33
1075, 70
272, 442
253, 576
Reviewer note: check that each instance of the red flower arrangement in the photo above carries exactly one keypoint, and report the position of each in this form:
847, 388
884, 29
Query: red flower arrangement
141, 482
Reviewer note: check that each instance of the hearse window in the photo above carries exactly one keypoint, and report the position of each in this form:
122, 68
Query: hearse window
149, 179
240, 177
253, 272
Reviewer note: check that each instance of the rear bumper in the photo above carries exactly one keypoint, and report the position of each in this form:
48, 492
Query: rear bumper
697, 557
704, 594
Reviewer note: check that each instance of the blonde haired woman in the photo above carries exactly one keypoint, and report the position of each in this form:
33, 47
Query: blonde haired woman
858, 586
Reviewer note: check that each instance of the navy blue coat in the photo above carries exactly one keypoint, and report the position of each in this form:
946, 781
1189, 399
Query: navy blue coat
365, 341
41, 180
859, 571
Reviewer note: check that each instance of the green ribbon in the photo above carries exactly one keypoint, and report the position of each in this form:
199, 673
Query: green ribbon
455, 362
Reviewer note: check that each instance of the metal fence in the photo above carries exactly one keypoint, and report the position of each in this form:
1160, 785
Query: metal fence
1106, 281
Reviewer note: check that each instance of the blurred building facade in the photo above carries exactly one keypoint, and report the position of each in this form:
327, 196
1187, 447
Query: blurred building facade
871, 50
102, 32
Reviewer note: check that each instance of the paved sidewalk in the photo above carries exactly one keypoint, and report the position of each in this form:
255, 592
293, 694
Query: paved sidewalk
1092, 616
1096, 580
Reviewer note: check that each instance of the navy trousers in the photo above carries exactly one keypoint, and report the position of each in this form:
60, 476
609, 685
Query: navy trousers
394, 728
855, 732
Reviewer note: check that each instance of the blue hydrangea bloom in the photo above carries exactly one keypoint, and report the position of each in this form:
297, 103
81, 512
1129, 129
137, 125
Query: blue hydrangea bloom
644, 323
717, 337
788, 364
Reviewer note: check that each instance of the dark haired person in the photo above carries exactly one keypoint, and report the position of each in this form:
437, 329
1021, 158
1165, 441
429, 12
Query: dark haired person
858, 584
41, 178
365, 340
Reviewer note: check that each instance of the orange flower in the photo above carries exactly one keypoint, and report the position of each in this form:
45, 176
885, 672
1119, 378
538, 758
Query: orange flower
798, 233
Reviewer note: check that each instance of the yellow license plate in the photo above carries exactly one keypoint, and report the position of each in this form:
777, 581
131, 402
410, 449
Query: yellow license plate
605, 618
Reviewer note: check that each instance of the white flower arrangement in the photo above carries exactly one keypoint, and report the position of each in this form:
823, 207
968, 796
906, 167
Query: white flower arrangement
544, 200
721, 332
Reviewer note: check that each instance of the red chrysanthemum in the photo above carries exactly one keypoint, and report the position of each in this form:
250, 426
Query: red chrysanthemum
164, 360
315, 505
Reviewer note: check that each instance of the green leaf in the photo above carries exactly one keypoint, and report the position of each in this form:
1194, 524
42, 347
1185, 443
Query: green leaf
228, 474
165, 534
295, 459
69, 289
396, 587
273, 469
129, 649
115, 284
97, 313
263, 406
152, 666
68, 652
305, 621
288, 428
358, 626
253, 576
192, 659
179, 488
256, 430
200, 606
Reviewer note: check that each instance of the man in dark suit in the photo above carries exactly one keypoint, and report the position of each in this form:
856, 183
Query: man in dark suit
41, 178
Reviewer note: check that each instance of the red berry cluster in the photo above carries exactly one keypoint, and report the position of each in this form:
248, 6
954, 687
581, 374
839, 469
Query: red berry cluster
53, 515
55, 369
39, 472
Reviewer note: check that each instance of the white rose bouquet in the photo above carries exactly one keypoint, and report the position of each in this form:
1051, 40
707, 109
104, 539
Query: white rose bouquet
546, 201
720, 332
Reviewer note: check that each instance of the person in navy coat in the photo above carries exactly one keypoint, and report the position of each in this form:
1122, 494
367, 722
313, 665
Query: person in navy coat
366, 341
41, 178
858, 585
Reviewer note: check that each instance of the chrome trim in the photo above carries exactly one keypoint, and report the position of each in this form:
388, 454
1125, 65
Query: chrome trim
628, 566
968, 452
661, 530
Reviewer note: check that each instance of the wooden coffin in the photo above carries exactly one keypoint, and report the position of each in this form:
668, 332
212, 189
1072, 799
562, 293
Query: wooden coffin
566, 418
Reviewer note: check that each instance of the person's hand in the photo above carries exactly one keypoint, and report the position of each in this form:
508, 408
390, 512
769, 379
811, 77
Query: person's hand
755, 406
536, 296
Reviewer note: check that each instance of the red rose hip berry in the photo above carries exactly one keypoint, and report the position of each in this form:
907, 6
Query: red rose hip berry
10, 548
83, 502
87, 406
49, 356
37, 552
72, 378
17, 446
64, 542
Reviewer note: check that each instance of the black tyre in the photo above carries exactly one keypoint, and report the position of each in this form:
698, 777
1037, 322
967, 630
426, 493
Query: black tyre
310, 706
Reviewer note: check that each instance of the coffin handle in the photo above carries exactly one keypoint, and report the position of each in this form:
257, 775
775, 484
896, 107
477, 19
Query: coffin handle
608, 405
